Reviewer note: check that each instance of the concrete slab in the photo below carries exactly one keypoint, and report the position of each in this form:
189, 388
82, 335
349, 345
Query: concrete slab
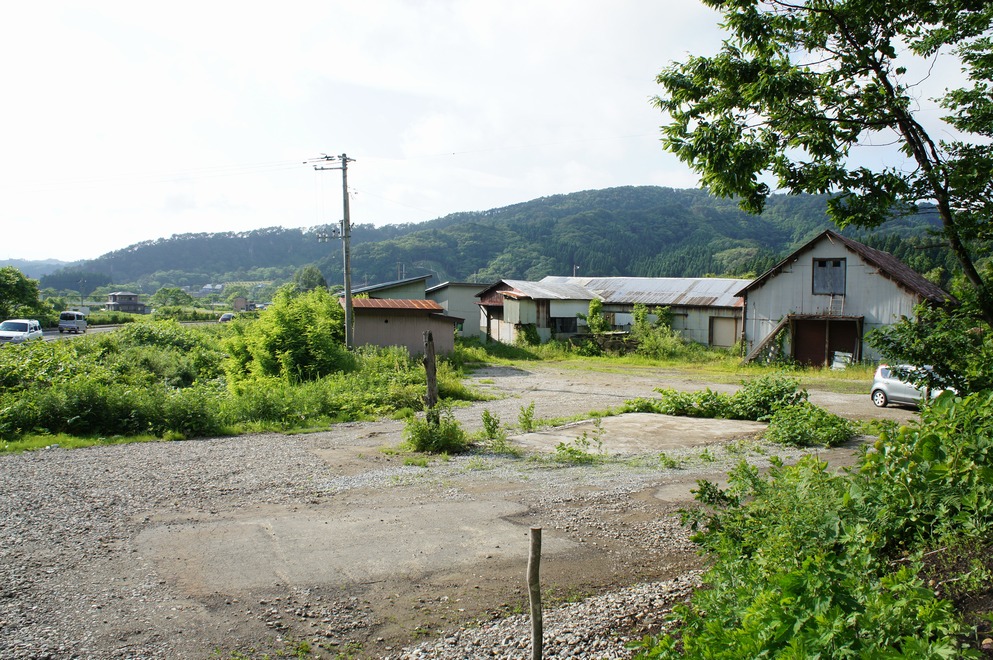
269, 546
643, 433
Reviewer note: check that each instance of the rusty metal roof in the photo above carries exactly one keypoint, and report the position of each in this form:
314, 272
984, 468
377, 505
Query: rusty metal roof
679, 291
396, 304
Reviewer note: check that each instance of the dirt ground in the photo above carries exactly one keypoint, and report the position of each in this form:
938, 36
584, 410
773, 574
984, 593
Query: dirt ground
371, 554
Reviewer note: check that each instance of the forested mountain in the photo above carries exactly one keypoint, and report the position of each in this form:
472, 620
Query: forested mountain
638, 231
34, 268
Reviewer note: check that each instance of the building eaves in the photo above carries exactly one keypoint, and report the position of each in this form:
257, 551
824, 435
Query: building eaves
663, 291
462, 285
390, 285
887, 265
396, 304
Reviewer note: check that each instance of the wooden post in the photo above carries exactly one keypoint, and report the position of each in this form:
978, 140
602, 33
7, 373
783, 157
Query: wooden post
431, 370
534, 593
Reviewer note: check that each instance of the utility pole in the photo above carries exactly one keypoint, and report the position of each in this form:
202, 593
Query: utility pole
346, 235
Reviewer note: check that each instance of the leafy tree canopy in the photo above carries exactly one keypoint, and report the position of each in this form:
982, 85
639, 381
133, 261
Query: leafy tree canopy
797, 86
17, 292
309, 278
171, 296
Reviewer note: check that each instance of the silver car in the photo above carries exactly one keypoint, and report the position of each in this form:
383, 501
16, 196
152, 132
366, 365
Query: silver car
15, 331
889, 386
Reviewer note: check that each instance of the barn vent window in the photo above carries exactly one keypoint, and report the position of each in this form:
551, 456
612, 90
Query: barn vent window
829, 277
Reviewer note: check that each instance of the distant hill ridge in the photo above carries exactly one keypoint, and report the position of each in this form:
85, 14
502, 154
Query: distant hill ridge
644, 231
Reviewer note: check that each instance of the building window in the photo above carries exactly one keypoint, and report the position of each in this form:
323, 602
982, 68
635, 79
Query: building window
829, 277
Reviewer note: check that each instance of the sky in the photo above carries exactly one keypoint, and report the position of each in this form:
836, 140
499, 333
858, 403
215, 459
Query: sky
131, 121
127, 121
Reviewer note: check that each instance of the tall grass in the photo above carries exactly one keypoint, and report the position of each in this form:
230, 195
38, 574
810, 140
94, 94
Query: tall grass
167, 380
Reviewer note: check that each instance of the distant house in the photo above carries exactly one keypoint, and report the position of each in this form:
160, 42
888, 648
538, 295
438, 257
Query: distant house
402, 322
209, 289
817, 304
704, 310
411, 288
459, 299
124, 301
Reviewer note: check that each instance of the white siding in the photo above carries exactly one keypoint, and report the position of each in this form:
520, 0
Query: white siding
567, 309
867, 293
461, 301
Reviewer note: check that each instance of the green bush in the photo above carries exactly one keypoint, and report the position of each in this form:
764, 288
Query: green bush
756, 400
759, 398
662, 343
113, 318
806, 425
299, 338
185, 314
194, 412
491, 426
807, 562
525, 418
445, 437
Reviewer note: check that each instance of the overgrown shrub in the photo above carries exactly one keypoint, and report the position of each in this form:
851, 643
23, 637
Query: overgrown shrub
759, 398
447, 436
807, 562
195, 412
661, 343
527, 335
525, 418
299, 338
804, 425
756, 400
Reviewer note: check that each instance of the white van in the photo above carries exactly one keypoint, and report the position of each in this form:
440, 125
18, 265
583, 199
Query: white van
72, 322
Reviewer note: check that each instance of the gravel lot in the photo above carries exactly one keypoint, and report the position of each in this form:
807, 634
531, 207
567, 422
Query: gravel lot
203, 548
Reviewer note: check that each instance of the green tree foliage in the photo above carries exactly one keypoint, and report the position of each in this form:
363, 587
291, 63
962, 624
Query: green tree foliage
299, 338
958, 347
309, 278
595, 319
798, 86
171, 297
18, 294
808, 562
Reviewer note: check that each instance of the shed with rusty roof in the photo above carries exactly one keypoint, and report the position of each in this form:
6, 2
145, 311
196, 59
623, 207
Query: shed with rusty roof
400, 322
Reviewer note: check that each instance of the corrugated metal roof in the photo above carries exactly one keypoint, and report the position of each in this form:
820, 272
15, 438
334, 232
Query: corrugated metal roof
547, 290
390, 285
396, 303
681, 291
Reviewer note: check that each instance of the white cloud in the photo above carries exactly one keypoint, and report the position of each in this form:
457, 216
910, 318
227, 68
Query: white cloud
128, 121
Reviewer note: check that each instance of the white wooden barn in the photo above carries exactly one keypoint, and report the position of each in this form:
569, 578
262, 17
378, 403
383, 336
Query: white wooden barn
817, 304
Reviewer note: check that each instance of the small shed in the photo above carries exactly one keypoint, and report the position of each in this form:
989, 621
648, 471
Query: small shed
402, 322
